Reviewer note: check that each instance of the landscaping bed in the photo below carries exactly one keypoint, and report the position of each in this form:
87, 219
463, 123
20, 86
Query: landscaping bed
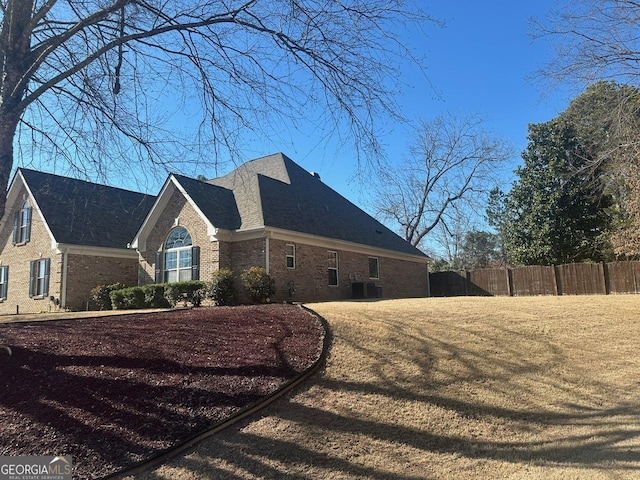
112, 391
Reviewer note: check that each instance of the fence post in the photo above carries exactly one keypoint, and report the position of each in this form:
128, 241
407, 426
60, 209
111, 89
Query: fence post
466, 282
605, 278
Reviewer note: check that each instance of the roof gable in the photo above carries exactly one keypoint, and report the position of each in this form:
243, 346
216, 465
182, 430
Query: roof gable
84, 213
216, 203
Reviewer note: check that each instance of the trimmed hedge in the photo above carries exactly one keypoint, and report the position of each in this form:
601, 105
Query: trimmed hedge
127, 298
154, 296
158, 295
189, 292
222, 290
100, 295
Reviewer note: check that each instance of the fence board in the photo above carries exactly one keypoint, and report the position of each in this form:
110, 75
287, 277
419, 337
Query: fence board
624, 277
534, 280
569, 279
448, 284
488, 281
580, 279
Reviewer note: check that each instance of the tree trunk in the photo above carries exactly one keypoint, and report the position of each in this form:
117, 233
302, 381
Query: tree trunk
8, 126
15, 54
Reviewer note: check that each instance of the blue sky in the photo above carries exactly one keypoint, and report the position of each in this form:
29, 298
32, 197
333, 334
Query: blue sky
481, 63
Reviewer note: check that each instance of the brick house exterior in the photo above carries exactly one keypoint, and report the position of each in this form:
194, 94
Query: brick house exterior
60, 237
271, 213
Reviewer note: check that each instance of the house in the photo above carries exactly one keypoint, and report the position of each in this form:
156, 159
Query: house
272, 213
60, 237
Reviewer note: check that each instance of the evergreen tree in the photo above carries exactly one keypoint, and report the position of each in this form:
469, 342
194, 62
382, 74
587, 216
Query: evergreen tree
557, 212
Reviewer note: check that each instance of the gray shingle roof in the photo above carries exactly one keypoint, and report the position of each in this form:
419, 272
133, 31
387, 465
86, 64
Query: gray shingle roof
216, 203
274, 191
85, 213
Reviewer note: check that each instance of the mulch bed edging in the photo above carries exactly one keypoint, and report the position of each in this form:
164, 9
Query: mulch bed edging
123, 393
173, 452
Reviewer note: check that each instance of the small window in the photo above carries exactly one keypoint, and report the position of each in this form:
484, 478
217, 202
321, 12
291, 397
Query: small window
39, 278
374, 268
4, 282
332, 265
22, 225
291, 256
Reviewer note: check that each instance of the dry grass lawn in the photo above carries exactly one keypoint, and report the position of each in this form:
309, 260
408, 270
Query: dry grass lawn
457, 388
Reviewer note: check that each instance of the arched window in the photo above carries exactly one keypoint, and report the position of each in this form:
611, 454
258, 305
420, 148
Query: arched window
178, 238
179, 258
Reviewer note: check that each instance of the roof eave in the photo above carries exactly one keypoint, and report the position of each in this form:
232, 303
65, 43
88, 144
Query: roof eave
316, 240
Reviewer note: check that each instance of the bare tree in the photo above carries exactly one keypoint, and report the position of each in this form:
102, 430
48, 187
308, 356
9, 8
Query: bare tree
83, 80
451, 167
594, 40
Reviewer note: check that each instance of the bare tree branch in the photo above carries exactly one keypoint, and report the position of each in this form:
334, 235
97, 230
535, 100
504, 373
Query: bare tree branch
453, 161
247, 62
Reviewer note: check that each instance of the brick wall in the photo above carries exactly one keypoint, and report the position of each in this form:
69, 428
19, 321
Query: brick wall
398, 278
18, 258
179, 212
87, 271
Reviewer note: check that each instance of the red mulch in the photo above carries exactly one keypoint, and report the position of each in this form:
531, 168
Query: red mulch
112, 391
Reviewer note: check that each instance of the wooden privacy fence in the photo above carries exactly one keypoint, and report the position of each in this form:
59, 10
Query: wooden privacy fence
570, 279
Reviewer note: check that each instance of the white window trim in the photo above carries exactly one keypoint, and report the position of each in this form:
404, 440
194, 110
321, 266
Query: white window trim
36, 281
4, 285
377, 277
293, 256
336, 268
178, 269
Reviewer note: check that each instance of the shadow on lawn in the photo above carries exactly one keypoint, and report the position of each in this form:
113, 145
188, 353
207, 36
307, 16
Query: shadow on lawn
575, 431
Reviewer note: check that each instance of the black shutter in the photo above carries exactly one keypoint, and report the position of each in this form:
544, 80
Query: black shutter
32, 267
16, 227
47, 265
159, 276
195, 263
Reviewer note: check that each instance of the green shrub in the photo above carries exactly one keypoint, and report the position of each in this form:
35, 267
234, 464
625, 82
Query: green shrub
192, 292
134, 298
117, 299
100, 295
154, 296
223, 288
260, 285
127, 298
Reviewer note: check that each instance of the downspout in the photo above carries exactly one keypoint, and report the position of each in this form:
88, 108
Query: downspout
63, 288
266, 250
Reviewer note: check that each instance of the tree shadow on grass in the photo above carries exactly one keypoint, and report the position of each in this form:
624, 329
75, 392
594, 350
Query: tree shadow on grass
574, 431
